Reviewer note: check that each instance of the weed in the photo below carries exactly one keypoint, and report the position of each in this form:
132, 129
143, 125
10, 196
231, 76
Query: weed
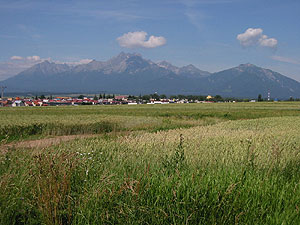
175, 161
52, 186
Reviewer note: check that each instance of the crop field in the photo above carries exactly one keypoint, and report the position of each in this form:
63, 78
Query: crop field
223, 163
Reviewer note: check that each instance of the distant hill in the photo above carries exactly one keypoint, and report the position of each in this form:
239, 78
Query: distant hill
248, 80
132, 74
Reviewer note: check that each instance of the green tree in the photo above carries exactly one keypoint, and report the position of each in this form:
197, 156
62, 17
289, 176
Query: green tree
163, 96
181, 97
201, 98
155, 96
218, 98
131, 97
259, 98
146, 97
80, 97
95, 97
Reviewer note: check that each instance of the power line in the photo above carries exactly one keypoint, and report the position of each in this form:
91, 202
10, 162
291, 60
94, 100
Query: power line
2, 94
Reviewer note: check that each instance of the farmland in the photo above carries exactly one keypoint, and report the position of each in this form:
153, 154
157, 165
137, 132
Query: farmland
225, 163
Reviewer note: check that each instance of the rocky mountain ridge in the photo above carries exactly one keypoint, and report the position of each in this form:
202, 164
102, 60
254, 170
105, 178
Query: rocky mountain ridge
130, 73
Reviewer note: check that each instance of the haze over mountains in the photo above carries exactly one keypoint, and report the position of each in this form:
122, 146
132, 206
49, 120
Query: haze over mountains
132, 74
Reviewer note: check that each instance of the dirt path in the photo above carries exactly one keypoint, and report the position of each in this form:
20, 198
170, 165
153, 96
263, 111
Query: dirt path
43, 143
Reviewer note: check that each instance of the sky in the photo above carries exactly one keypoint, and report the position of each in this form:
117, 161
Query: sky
213, 35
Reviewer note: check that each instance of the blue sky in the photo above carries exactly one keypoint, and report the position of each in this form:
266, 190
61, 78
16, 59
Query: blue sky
204, 32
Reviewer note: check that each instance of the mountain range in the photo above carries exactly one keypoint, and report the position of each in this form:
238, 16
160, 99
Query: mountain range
132, 74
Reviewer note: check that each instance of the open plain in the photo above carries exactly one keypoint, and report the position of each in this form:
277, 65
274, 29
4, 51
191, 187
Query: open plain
218, 163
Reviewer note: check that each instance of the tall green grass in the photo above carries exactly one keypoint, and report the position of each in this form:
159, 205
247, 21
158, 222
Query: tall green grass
235, 172
15, 128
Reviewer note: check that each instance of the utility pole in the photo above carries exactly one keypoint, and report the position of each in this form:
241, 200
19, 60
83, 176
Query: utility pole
269, 95
2, 94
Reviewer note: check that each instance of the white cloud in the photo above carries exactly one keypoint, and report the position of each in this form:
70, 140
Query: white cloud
268, 42
285, 59
33, 58
138, 39
15, 57
30, 58
255, 37
250, 37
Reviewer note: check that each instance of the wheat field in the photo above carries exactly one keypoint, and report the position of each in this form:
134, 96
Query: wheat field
194, 164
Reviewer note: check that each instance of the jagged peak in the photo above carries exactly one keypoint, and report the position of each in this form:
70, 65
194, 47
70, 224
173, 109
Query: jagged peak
166, 64
247, 65
127, 55
44, 63
47, 62
190, 66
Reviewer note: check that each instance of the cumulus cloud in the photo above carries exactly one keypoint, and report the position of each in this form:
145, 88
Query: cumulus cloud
34, 58
255, 37
30, 58
15, 57
138, 40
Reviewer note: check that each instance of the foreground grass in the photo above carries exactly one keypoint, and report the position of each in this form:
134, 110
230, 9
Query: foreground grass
235, 172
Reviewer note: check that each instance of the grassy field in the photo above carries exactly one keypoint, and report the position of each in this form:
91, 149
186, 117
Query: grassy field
23, 123
227, 163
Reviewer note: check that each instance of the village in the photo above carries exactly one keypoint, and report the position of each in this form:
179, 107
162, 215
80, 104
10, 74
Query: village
105, 100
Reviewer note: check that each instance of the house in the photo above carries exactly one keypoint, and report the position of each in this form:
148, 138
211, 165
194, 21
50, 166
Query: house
17, 103
28, 103
37, 103
121, 97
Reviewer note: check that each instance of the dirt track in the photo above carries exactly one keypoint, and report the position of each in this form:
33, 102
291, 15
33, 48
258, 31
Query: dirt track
43, 143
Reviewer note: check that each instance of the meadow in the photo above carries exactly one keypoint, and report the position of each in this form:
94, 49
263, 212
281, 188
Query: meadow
23, 123
225, 163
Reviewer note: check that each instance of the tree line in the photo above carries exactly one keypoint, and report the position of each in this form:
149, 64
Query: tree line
155, 96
